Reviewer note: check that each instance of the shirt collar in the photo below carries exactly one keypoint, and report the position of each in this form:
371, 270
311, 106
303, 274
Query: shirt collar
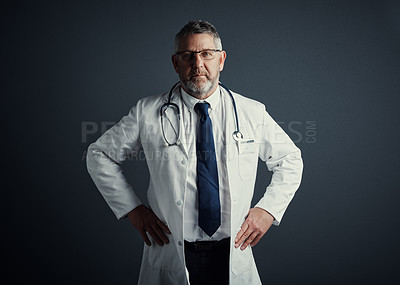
213, 99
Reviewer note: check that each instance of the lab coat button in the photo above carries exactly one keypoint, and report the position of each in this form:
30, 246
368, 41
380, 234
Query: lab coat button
179, 202
183, 162
179, 243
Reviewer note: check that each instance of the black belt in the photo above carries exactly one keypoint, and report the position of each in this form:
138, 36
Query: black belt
207, 245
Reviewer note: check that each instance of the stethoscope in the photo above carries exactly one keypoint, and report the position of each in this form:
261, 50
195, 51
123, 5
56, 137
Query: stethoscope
237, 135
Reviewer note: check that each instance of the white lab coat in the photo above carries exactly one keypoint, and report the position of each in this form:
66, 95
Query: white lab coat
141, 128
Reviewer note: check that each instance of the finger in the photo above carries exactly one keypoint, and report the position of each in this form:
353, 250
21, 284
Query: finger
249, 240
163, 226
244, 236
159, 232
155, 236
258, 238
240, 234
145, 237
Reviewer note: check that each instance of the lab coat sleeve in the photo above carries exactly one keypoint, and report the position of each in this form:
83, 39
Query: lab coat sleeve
283, 158
104, 158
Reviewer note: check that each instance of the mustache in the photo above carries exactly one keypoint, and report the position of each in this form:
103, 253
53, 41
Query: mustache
193, 74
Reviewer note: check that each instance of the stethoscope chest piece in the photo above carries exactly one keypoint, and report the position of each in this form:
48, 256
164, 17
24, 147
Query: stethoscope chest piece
237, 136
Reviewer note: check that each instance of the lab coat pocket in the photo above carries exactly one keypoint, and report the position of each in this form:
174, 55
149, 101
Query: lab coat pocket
241, 260
248, 154
164, 257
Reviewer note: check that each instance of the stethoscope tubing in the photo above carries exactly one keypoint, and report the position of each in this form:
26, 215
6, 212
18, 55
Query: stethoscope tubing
237, 135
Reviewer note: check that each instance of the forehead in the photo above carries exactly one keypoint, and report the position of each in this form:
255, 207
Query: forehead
196, 42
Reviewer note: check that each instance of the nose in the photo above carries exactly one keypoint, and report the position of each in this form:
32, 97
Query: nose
197, 61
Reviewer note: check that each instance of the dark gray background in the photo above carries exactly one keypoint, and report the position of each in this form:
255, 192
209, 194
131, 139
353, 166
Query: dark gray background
335, 63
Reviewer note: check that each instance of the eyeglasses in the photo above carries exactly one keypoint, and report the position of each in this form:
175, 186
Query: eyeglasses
205, 54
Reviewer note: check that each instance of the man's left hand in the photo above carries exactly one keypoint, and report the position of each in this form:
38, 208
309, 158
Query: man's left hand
257, 223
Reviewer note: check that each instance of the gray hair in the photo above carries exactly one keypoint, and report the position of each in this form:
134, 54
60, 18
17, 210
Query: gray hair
198, 27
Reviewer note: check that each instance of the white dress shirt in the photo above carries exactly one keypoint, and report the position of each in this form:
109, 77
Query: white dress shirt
191, 229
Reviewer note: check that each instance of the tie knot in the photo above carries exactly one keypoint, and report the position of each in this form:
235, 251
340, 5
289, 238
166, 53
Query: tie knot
202, 108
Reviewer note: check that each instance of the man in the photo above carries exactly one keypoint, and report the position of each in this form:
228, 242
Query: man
198, 225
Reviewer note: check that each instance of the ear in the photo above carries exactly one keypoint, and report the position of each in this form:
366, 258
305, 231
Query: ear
175, 63
222, 60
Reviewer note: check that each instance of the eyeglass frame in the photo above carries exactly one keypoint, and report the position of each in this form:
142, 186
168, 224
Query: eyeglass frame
192, 53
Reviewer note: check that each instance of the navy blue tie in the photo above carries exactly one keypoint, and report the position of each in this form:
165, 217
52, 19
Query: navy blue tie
207, 174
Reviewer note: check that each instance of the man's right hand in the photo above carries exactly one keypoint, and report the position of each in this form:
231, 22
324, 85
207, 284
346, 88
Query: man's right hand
144, 220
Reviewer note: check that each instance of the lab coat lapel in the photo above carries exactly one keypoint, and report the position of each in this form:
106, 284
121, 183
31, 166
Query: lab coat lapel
231, 145
171, 116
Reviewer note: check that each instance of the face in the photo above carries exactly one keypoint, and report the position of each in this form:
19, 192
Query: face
199, 77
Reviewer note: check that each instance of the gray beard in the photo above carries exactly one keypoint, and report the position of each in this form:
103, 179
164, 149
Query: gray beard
201, 91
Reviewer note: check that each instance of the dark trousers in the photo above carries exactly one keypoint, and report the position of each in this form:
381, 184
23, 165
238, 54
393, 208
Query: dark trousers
208, 262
